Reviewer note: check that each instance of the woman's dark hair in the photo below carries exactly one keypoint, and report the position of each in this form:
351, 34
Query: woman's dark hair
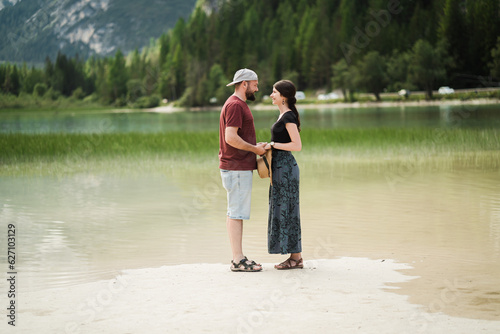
288, 90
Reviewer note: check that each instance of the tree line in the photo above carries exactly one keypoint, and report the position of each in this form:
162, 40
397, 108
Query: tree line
361, 45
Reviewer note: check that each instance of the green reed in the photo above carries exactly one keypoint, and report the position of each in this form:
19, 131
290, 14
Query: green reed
27, 147
45, 150
392, 140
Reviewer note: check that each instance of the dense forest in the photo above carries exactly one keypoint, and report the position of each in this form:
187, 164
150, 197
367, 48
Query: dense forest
356, 46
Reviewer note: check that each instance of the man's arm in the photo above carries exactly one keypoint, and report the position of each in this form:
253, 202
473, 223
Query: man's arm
233, 139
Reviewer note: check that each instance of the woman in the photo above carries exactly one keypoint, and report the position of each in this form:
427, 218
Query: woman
284, 234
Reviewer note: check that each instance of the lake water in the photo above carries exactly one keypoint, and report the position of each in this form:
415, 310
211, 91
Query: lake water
445, 222
326, 118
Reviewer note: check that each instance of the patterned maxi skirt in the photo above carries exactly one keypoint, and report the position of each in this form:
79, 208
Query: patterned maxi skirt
283, 232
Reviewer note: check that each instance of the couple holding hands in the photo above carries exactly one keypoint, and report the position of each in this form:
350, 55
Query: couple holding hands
238, 148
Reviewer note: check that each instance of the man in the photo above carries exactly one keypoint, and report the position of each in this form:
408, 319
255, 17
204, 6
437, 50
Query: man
237, 150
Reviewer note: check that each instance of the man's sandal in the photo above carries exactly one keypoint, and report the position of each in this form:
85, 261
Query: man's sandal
290, 264
245, 265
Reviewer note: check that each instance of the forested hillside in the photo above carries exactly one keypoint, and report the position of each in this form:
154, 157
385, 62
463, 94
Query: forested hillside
354, 45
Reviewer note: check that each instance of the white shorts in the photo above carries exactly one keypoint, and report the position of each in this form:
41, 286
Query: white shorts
238, 184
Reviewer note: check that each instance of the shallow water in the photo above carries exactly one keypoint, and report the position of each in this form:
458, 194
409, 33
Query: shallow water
149, 122
84, 227
444, 221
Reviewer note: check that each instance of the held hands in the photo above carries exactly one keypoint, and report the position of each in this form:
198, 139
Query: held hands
267, 147
260, 148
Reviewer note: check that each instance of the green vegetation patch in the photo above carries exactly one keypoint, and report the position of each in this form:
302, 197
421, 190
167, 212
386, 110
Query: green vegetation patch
386, 150
17, 148
387, 140
346, 144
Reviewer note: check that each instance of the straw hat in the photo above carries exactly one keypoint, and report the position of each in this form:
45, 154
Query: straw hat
264, 165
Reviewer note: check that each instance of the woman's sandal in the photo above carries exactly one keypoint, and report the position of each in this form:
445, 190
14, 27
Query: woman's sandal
287, 264
245, 265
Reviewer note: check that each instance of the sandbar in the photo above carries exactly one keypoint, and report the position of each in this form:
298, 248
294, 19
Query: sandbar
341, 295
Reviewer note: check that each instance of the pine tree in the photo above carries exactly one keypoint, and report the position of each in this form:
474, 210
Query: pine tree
49, 72
494, 65
484, 26
164, 42
12, 83
3, 74
30, 79
135, 65
348, 23
453, 29
117, 77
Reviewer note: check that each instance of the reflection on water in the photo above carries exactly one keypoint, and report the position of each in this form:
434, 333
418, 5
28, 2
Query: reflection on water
149, 122
84, 227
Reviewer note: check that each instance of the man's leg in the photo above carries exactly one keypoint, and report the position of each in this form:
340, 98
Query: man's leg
239, 187
235, 231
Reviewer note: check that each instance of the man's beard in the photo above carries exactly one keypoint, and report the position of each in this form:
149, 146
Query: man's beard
250, 96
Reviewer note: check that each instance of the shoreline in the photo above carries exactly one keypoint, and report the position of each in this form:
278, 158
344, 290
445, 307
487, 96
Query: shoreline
170, 108
349, 294
263, 106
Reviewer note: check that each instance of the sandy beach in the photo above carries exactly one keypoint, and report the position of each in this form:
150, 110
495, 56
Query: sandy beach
343, 295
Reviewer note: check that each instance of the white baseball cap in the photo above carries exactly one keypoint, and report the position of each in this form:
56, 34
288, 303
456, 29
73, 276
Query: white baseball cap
243, 75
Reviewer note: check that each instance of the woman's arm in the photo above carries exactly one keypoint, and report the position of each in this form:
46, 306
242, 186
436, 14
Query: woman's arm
294, 145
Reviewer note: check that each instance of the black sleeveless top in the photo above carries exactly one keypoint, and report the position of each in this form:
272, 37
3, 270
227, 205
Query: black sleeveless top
279, 133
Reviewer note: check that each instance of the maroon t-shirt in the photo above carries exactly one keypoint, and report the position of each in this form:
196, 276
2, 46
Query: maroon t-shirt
235, 113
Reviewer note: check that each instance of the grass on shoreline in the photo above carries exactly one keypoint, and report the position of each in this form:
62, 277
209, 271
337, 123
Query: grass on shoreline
44, 152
